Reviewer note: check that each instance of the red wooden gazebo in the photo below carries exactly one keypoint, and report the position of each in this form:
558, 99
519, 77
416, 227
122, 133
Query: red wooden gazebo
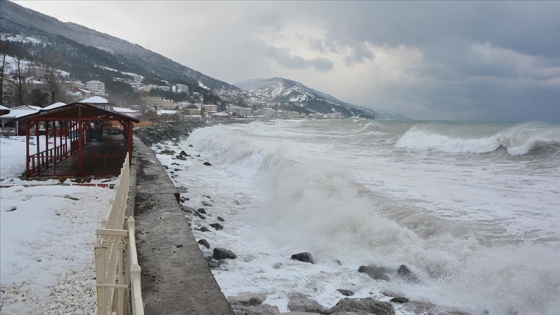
67, 131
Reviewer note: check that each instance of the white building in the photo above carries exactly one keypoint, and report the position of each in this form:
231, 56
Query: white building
97, 87
181, 88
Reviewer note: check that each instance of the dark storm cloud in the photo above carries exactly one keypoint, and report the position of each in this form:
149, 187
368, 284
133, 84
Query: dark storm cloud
486, 60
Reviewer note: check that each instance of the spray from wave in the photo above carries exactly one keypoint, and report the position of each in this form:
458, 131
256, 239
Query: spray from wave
519, 139
318, 207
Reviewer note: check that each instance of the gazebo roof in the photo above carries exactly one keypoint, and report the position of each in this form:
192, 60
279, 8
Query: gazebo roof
76, 110
95, 100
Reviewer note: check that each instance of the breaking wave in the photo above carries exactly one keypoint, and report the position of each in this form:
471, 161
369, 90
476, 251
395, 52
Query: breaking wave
519, 139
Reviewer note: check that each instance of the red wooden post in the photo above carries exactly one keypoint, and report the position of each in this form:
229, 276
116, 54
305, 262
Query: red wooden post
80, 144
48, 154
27, 132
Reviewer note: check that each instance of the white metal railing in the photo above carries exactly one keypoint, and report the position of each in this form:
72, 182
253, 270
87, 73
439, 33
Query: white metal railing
113, 283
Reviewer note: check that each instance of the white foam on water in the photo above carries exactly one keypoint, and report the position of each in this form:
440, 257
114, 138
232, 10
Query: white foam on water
480, 237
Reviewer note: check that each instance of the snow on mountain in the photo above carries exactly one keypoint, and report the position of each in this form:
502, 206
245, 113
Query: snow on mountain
287, 91
19, 38
16, 19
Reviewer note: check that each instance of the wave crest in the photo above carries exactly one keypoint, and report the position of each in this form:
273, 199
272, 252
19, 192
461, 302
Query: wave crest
519, 139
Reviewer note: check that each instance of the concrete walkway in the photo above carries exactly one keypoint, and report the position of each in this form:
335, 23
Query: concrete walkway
176, 278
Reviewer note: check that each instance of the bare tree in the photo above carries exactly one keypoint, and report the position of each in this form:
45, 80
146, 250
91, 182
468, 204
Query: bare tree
51, 76
2, 67
20, 76
21, 85
4, 51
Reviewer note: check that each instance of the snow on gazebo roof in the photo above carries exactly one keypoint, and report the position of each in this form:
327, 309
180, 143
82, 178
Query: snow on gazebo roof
4, 108
124, 110
55, 105
95, 100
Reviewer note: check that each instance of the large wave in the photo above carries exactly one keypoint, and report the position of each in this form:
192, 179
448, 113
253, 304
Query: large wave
519, 139
316, 206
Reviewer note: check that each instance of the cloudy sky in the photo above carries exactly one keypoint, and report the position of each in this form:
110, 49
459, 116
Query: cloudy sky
427, 60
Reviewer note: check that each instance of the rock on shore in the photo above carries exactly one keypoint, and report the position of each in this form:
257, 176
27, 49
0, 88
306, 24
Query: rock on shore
168, 131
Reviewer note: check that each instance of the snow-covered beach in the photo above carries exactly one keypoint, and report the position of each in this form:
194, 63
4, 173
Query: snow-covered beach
47, 237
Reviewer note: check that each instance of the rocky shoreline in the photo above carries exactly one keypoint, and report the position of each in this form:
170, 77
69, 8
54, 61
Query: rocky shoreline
169, 131
253, 304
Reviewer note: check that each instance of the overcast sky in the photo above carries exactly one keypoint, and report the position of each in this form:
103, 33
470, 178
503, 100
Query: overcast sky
427, 60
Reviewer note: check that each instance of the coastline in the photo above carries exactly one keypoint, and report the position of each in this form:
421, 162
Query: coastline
176, 158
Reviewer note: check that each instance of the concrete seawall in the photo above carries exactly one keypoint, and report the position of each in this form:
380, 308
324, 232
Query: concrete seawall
176, 278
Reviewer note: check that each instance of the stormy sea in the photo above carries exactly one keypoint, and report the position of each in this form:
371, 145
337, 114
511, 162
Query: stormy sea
471, 209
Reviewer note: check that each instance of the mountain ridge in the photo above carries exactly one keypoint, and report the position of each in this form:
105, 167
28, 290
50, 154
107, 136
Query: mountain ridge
286, 91
154, 62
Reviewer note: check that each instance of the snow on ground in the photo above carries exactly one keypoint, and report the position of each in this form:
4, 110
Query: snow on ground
46, 242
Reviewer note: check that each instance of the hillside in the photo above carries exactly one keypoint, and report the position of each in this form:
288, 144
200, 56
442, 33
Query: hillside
75, 41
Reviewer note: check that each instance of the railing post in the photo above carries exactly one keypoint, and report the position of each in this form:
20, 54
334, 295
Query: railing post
100, 252
111, 271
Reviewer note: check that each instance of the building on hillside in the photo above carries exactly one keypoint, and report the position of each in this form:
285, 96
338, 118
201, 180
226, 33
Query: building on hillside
96, 86
210, 109
71, 85
36, 72
153, 102
135, 85
181, 88
79, 93
170, 104
192, 110
8, 88
162, 87
241, 111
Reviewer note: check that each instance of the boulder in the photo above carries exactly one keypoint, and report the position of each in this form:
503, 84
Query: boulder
187, 209
201, 210
180, 157
168, 131
362, 306
204, 243
304, 257
212, 264
247, 299
302, 303
416, 307
207, 203
404, 273
204, 229
263, 309
222, 253
400, 299
220, 219
217, 226
207, 164
345, 292
375, 272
